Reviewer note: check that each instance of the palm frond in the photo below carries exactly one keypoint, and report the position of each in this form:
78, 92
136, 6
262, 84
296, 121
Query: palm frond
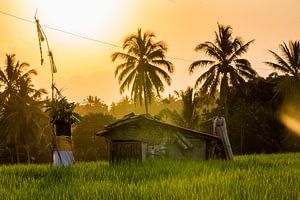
164, 63
128, 81
123, 66
129, 68
245, 65
235, 78
156, 54
122, 56
281, 62
241, 50
277, 66
210, 49
209, 73
200, 63
156, 71
207, 83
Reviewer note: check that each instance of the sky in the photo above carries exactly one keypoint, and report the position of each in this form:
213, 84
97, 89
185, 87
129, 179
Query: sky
85, 67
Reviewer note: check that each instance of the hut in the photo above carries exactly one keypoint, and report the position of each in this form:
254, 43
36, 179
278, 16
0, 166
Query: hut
142, 137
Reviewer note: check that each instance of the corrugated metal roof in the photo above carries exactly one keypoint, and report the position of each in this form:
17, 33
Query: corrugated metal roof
131, 117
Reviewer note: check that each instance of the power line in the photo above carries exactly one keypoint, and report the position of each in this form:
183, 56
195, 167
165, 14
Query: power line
63, 31
80, 36
92, 39
83, 37
26, 20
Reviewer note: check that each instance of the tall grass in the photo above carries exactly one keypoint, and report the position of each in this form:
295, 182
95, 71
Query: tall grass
247, 177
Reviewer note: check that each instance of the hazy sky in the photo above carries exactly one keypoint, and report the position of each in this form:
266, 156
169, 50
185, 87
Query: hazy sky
85, 68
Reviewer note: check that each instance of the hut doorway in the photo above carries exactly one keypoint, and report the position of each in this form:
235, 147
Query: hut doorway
126, 150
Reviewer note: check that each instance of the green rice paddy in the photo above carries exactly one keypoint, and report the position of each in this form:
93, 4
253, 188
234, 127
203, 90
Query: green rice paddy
269, 177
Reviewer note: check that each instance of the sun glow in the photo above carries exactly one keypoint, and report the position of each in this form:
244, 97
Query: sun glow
290, 117
82, 16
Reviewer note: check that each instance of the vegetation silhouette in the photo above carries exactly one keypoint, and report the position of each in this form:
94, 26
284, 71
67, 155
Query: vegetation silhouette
227, 68
289, 64
189, 116
254, 106
145, 68
92, 104
288, 85
22, 116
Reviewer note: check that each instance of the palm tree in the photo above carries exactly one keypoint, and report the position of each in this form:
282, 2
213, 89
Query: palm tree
11, 76
92, 100
289, 64
22, 106
144, 68
189, 115
226, 67
288, 86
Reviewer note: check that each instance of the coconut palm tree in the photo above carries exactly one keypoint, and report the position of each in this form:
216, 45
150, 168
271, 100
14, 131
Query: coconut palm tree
22, 106
144, 69
289, 64
11, 75
226, 67
189, 116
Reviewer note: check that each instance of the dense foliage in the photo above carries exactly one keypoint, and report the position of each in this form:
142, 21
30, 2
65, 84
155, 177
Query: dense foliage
60, 110
87, 146
22, 120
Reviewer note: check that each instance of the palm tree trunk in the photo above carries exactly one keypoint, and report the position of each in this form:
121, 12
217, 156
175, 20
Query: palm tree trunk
242, 139
17, 152
27, 148
16, 148
146, 102
28, 154
145, 95
226, 108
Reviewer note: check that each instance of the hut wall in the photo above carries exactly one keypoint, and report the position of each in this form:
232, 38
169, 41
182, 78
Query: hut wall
198, 151
145, 140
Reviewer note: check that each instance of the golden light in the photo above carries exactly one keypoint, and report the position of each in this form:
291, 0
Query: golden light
290, 117
81, 16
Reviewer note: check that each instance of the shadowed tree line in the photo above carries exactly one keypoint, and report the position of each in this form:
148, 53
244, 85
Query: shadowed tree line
261, 119
261, 113
22, 120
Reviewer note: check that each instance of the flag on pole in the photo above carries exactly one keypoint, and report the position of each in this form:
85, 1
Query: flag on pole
42, 37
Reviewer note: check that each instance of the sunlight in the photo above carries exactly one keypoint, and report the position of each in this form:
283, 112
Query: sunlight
290, 118
82, 16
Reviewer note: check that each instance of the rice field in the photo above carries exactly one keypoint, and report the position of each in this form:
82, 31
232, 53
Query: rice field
274, 176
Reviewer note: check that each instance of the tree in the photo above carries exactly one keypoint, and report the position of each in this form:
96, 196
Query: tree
259, 130
22, 107
87, 146
189, 115
227, 68
288, 86
145, 67
92, 104
289, 64
10, 77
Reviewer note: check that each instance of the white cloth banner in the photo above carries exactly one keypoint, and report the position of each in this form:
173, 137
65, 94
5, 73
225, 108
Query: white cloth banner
62, 158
